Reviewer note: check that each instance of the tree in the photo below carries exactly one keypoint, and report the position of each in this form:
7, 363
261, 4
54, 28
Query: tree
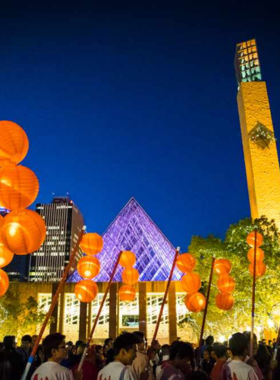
234, 247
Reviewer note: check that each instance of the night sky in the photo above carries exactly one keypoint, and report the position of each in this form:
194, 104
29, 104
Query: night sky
135, 99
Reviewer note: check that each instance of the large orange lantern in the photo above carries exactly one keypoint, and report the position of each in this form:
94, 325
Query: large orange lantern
4, 282
127, 293
191, 282
19, 187
226, 284
260, 268
13, 143
251, 239
130, 276
86, 290
6, 256
186, 262
23, 231
222, 266
224, 301
91, 244
259, 254
195, 302
88, 266
128, 259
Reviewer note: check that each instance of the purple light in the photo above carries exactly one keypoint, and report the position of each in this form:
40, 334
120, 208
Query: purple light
133, 230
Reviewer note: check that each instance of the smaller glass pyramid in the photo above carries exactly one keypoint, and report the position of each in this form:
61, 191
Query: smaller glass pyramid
133, 230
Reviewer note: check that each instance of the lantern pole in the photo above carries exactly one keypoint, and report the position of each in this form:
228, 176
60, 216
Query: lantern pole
52, 306
207, 300
253, 297
99, 312
164, 300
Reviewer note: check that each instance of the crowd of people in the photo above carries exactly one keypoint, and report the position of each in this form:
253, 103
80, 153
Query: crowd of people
129, 358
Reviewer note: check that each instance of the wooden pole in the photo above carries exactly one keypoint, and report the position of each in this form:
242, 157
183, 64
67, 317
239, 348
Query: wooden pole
54, 301
206, 306
164, 300
253, 298
99, 312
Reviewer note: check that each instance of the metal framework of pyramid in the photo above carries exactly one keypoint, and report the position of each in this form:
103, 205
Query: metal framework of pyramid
133, 230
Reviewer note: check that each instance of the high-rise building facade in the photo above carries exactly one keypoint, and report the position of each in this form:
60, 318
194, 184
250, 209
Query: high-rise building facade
259, 144
64, 223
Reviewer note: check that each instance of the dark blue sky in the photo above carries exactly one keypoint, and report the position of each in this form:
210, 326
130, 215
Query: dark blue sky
129, 99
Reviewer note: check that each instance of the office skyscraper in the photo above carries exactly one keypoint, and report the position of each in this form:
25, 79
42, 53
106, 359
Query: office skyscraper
64, 223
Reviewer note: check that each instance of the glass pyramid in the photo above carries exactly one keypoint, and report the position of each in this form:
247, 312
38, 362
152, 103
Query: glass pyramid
133, 230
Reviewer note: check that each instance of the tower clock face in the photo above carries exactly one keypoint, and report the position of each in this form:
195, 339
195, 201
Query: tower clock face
261, 136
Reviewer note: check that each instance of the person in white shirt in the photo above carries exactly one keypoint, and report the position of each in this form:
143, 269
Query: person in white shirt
125, 353
236, 368
55, 351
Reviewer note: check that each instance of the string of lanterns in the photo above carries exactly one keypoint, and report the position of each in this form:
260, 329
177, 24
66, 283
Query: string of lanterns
130, 276
260, 266
225, 284
22, 231
88, 267
191, 283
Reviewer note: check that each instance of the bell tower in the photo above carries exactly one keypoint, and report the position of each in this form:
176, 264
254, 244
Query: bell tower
259, 144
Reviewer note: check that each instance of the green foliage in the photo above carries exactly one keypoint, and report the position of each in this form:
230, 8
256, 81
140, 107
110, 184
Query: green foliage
18, 317
235, 248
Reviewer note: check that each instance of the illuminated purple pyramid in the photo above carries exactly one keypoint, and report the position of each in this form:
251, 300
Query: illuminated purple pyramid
133, 230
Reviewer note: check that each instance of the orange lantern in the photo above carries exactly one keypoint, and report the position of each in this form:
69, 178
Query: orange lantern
259, 254
127, 293
86, 290
224, 301
226, 284
13, 143
23, 231
260, 268
19, 187
128, 259
6, 256
186, 262
130, 276
251, 239
191, 282
91, 244
88, 266
222, 266
195, 302
4, 282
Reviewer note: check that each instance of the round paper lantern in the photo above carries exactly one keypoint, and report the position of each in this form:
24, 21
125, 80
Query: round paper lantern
128, 259
260, 268
86, 290
23, 231
6, 256
91, 244
191, 282
4, 282
224, 301
226, 284
127, 293
195, 302
222, 266
259, 254
251, 239
88, 266
13, 143
186, 262
130, 276
19, 187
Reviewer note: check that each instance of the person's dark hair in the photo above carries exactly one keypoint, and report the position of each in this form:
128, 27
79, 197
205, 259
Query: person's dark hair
5, 366
181, 350
262, 357
78, 343
110, 356
140, 335
9, 342
220, 350
165, 349
26, 338
151, 350
209, 340
238, 344
70, 343
97, 348
50, 342
247, 334
125, 340
107, 341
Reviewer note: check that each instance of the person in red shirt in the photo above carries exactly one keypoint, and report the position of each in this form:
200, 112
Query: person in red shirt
221, 354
